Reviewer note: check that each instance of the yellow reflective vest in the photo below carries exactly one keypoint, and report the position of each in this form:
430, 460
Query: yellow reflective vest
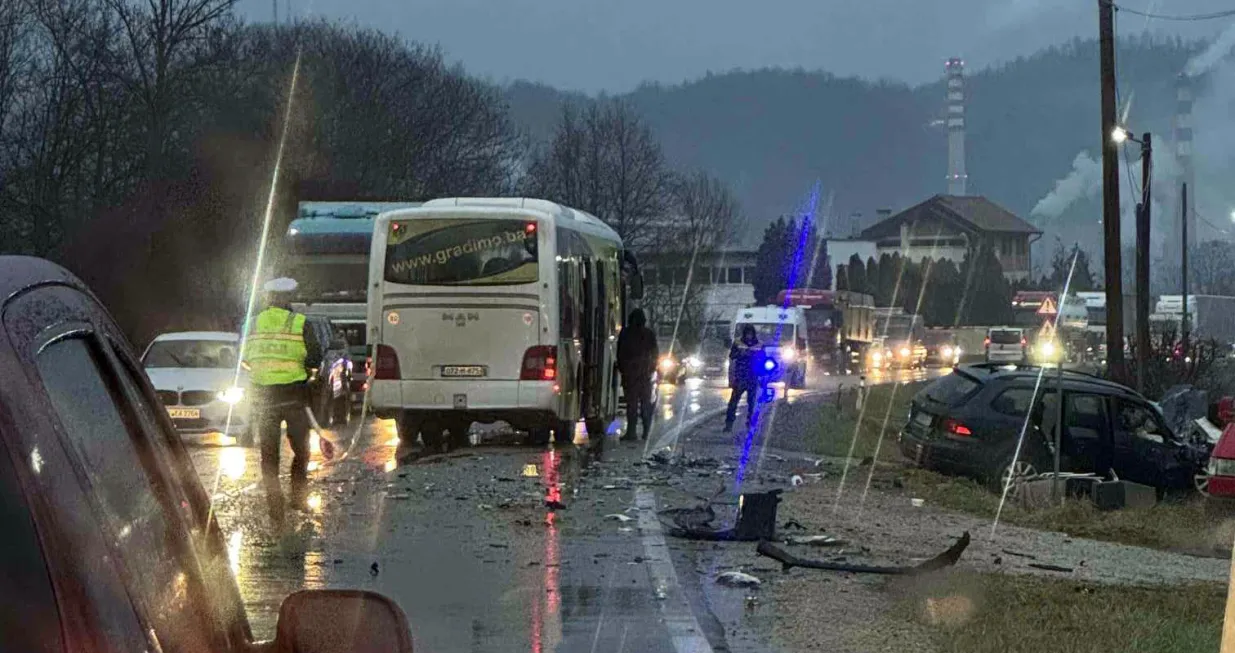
275, 350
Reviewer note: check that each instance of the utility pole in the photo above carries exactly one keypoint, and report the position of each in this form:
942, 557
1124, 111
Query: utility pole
1142, 265
1110, 196
1183, 232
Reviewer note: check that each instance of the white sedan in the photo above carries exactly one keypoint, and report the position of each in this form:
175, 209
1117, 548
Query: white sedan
194, 373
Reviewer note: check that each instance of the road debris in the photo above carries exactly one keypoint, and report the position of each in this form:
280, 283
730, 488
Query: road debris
1046, 567
1018, 554
793, 523
617, 517
737, 579
373, 571
814, 540
789, 561
796, 480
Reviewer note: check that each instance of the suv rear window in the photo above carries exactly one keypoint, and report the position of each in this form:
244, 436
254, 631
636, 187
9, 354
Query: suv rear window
1006, 337
951, 389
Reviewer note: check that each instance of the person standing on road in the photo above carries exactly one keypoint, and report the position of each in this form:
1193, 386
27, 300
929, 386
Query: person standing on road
636, 357
744, 376
280, 353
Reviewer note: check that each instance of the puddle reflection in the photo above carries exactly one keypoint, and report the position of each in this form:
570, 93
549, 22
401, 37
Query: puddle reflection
546, 631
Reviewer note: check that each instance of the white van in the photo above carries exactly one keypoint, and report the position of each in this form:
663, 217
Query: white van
487, 309
782, 331
1006, 345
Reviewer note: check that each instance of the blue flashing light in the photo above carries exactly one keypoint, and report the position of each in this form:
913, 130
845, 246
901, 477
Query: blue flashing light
769, 365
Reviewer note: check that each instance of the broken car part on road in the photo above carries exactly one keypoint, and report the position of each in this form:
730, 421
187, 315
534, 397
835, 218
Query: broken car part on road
789, 561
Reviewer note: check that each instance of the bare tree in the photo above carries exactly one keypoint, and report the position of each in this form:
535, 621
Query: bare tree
703, 215
604, 159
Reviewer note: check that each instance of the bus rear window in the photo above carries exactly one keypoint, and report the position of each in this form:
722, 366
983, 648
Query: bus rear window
461, 252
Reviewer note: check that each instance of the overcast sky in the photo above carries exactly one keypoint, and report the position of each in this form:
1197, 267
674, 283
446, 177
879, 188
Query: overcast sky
613, 45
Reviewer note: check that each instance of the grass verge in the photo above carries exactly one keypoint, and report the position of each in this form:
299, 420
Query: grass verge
1010, 613
1183, 526
885, 410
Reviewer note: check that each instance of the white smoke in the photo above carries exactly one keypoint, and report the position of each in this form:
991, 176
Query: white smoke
1085, 180
1212, 55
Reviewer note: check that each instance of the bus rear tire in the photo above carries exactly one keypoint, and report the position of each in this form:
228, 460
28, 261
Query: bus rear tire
564, 432
538, 436
458, 429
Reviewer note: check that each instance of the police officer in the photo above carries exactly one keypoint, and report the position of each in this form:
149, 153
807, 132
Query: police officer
280, 353
744, 356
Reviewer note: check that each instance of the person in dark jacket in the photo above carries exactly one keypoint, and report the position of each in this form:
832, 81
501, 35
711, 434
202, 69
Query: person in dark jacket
743, 375
636, 357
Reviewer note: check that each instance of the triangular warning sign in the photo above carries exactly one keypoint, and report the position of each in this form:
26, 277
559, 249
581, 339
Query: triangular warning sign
1047, 307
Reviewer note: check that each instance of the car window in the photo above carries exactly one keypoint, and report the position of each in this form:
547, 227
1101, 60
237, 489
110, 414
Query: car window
951, 389
29, 617
1013, 401
1084, 415
103, 438
1141, 421
1005, 337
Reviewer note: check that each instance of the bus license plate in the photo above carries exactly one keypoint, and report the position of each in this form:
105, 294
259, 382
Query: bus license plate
184, 413
463, 370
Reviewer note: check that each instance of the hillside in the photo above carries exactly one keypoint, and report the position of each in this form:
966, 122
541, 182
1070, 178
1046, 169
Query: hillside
771, 133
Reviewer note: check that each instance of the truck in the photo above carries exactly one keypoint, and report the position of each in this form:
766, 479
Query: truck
326, 250
903, 337
840, 325
1209, 316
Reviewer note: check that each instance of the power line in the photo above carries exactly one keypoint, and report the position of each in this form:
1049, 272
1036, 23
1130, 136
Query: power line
1192, 17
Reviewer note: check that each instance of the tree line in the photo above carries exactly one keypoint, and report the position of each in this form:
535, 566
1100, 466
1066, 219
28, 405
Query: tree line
138, 140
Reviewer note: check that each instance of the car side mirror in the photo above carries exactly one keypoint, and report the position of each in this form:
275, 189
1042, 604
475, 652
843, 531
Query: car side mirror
341, 621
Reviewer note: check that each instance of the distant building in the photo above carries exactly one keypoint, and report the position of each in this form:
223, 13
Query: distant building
949, 226
723, 280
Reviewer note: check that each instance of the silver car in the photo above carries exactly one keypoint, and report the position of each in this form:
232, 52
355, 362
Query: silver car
194, 374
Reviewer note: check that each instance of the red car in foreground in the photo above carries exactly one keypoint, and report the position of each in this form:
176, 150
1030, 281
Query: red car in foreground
109, 543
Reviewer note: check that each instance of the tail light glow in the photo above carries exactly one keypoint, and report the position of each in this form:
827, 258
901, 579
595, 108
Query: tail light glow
539, 364
386, 367
955, 428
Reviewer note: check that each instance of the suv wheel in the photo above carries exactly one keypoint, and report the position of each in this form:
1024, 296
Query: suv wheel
1005, 472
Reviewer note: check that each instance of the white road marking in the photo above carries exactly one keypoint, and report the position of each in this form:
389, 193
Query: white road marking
684, 630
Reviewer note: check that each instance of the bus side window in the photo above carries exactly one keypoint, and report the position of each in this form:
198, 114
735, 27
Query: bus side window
568, 304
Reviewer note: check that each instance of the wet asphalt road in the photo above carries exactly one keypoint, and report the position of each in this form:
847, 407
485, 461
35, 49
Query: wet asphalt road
464, 542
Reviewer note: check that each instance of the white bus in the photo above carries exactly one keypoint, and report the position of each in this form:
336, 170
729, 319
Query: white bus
487, 309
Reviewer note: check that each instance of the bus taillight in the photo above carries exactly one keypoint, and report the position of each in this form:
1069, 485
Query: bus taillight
387, 364
539, 364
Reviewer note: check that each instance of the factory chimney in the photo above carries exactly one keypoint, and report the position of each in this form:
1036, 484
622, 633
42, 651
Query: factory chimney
1183, 153
956, 126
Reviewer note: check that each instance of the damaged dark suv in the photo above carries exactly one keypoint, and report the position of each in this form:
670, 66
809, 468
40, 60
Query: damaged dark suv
969, 421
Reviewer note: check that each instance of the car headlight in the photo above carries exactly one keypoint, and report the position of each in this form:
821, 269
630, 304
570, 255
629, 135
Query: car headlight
957, 352
1221, 467
667, 363
769, 364
788, 355
694, 361
232, 395
1048, 348
905, 352
945, 351
877, 356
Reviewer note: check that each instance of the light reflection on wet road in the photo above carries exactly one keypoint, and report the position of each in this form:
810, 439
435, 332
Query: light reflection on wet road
463, 541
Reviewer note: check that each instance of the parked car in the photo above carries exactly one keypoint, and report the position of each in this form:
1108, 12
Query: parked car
110, 543
330, 388
195, 376
1006, 345
969, 422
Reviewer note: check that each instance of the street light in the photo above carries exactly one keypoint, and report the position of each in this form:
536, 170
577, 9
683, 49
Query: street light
1119, 135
